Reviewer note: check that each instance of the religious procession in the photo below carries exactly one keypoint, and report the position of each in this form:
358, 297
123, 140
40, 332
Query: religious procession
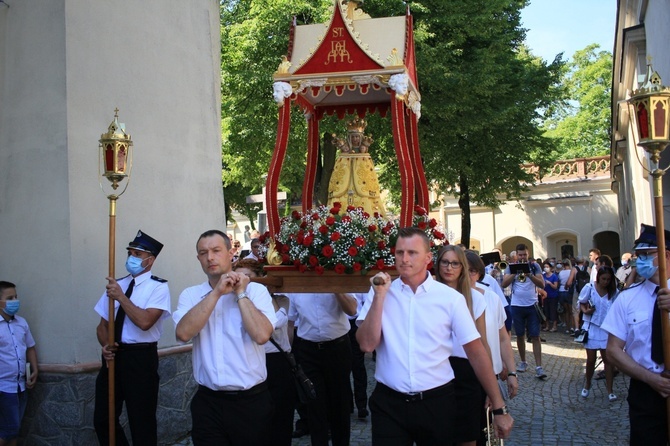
352, 314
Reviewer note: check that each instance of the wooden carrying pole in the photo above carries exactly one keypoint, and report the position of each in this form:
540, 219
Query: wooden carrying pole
657, 175
110, 322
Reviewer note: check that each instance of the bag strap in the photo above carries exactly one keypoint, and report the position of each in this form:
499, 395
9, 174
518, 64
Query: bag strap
289, 357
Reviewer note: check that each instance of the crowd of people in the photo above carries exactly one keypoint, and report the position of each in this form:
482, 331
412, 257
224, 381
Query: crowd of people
442, 341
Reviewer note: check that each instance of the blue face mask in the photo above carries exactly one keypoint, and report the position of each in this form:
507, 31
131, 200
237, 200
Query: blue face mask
646, 267
134, 265
11, 307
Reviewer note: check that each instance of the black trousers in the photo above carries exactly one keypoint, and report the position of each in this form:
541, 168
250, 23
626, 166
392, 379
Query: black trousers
648, 415
136, 384
401, 421
282, 388
221, 419
328, 365
358, 371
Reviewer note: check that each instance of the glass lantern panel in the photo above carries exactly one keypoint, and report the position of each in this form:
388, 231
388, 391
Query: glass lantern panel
109, 158
660, 120
643, 120
121, 158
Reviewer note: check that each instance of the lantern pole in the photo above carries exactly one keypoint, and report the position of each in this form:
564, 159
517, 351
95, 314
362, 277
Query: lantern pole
116, 162
651, 109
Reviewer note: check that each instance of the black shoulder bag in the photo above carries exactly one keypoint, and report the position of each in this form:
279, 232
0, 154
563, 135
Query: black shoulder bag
303, 384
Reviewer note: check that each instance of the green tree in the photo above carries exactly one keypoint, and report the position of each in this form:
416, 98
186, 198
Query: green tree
483, 98
581, 126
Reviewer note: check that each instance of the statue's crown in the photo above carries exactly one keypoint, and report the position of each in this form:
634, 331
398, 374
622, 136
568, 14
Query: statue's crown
357, 125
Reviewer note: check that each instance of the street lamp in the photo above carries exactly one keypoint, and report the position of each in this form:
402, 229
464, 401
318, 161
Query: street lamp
651, 108
115, 164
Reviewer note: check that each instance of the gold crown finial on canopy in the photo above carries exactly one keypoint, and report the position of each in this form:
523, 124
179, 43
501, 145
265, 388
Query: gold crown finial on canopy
357, 125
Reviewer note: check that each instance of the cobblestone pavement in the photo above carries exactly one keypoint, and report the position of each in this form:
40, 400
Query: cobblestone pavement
549, 412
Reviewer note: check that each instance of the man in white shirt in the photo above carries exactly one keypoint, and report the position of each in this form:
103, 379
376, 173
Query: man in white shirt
324, 351
229, 320
142, 302
412, 323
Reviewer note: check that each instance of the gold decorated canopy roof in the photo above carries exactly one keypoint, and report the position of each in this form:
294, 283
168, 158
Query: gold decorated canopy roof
350, 59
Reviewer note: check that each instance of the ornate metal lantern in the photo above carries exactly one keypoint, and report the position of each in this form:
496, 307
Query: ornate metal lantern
116, 153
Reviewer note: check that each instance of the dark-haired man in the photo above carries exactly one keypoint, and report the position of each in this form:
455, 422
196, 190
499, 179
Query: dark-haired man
524, 314
229, 319
142, 302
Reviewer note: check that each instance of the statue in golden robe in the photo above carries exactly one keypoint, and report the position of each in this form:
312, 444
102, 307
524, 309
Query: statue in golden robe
354, 180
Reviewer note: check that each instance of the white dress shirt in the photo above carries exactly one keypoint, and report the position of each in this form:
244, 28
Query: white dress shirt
15, 340
224, 355
418, 333
495, 287
495, 320
478, 308
321, 317
147, 293
280, 335
629, 319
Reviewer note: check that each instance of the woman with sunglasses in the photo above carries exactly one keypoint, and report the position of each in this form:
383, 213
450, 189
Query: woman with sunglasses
452, 270
595, 300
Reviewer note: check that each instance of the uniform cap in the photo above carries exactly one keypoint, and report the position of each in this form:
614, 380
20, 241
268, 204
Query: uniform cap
647, 238
146, 243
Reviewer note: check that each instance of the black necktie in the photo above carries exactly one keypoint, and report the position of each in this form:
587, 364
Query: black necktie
121, 314
656, 334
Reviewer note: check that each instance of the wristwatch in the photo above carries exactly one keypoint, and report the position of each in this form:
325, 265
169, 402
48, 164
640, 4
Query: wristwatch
502, 411
511, 374
242, 295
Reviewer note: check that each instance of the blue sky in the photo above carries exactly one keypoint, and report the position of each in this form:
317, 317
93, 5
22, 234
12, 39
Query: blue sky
566, 26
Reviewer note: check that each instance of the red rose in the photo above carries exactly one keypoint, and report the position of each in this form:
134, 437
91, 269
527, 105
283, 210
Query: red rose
313, 260
295, 215
285, 258
315, 216
335, 236
430, 265
327, 251
381, 244
323, 229
359, 241
366, 215
392, 250
350, 208
419, 210
346, 219
285, 248
357, 266
339, 268
319, 269
432, 223
262, 238
386, 230
337, 204
438, 235
303, 225
308, 240
300, 238
372, 228
334, 211
302, 268
330, 221
422, 225
296, 262
376, 214
380, 264
352, 251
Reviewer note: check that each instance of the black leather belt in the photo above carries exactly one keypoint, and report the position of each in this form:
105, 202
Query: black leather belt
258, 388
324, 344
418, 396
138, 346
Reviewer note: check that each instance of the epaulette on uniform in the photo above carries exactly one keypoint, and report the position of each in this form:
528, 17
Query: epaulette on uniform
158, 279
